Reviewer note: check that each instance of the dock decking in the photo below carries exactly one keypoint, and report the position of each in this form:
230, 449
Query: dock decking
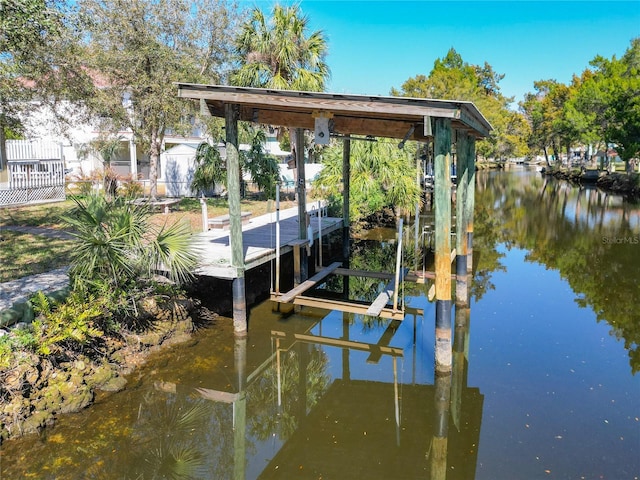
259, 242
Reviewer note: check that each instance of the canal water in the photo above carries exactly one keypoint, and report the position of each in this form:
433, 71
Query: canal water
544, 382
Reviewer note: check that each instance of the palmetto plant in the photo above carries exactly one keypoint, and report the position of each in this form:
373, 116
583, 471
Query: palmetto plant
118, 245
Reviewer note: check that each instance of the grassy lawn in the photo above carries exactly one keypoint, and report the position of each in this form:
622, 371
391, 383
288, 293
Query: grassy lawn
24, 254
45, 215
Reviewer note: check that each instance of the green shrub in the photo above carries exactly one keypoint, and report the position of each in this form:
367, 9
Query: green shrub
70, 324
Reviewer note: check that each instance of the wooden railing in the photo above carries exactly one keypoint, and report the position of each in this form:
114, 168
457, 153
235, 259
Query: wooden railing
35, 173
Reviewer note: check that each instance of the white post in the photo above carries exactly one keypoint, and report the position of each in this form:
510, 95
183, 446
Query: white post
205, 214
320, 233
398, 264
133, 154
277, 237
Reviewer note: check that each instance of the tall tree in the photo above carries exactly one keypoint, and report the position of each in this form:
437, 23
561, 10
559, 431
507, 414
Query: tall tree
279, 53
141, 47
625, 130
36, 43
453, 78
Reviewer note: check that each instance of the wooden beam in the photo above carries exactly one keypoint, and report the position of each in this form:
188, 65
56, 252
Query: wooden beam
308, 284
345, 306
476, 122
217, 395
337, 342
385, 296
291, 101
384, 340
253, 101
364, 273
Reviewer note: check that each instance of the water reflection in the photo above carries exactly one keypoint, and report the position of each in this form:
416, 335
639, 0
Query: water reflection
590, 237
304, 396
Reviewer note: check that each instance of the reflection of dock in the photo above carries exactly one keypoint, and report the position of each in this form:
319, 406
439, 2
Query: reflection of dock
342, 437
259, 242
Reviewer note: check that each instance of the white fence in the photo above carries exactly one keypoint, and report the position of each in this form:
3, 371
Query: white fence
33, 150
35, 171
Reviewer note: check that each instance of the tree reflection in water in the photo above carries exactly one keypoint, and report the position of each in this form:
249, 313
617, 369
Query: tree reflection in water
591, 238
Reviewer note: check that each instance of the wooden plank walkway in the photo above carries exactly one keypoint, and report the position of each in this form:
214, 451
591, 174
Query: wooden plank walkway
259, 242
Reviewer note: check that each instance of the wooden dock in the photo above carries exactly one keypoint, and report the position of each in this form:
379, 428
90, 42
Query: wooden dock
259, 242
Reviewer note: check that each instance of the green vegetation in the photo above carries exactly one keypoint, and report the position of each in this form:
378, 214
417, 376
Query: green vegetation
382, 175
118, 245
211, 172
551, 224
24, 254
454, 79
277, 53
113, 261
601, 107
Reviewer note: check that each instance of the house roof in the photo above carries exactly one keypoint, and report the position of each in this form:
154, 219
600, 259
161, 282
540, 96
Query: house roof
379, 116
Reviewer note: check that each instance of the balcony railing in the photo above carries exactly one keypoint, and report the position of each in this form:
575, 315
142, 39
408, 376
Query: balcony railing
35, 173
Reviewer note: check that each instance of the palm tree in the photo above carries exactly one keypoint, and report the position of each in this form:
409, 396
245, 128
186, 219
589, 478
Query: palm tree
381, 175
210, 169
263, 168
118, 245
277, 54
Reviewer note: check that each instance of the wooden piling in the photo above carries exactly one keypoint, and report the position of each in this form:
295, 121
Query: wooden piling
440, 440
442, 201
460, 361
235, 220
240, 411
462, 191
302, 199
346, 188
470, 198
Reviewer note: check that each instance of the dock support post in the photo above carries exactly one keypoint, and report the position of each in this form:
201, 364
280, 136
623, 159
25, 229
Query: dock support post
460, 362
302, 197
442, 194
346, 188
277, 281
470, 198
235, 220
462, 191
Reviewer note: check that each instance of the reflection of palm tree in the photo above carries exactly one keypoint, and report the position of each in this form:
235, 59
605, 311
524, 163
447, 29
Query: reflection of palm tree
162, 443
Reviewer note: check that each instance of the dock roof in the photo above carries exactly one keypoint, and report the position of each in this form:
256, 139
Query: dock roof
378, 116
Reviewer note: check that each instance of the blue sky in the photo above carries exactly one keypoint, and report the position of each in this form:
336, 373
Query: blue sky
377, 45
